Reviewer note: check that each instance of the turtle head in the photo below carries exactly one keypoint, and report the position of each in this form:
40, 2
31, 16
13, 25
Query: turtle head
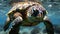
37, 15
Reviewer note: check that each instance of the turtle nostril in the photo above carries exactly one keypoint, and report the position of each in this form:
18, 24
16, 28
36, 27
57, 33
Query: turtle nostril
35, 13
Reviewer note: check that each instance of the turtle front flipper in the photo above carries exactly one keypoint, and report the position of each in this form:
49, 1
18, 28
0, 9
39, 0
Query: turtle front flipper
16, 25
49, 26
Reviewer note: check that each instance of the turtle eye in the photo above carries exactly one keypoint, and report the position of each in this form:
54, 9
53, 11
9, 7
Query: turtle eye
35, 13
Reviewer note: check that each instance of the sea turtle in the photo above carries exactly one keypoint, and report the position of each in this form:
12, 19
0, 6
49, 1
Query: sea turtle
27, 14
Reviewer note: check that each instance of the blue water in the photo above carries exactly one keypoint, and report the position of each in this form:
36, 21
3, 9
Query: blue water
53, 9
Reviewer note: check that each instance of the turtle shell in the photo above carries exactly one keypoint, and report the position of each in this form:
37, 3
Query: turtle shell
23, 5
30, 6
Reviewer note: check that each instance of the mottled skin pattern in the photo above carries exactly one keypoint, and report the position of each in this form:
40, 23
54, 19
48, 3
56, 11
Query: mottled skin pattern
30, 13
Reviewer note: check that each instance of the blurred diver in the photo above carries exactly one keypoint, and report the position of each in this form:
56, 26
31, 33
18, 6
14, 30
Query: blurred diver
27, 14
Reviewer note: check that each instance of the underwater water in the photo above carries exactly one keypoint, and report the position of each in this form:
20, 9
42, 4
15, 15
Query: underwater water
53, 9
